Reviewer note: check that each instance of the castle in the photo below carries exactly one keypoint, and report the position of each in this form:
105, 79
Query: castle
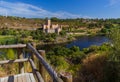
51, 28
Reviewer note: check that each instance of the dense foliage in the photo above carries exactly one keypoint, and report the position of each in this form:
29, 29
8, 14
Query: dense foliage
12, 36
73, 56
95, 63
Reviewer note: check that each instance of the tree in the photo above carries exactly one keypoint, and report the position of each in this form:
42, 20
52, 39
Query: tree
108, 26
54, 19
115, 40
113, 65
75, 49
63, 33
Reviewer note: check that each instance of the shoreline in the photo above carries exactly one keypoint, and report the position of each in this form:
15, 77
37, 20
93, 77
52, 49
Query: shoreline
74, 37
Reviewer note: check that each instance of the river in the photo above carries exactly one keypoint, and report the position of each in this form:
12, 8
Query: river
87, 41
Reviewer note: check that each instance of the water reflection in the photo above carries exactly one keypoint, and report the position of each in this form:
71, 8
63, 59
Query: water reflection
86, 41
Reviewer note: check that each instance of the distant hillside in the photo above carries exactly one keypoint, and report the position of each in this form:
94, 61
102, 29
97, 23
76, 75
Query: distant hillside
30, 23
17, 22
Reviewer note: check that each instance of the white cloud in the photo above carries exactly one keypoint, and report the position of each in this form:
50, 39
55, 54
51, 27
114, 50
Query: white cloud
28, 10
113, 2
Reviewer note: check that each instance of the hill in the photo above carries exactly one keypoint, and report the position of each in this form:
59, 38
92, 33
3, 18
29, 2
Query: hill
18, 22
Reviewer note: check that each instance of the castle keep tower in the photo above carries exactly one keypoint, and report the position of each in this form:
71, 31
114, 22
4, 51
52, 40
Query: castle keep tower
51, 28
48, 22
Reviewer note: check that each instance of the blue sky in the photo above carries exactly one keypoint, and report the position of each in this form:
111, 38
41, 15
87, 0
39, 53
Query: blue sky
61, 8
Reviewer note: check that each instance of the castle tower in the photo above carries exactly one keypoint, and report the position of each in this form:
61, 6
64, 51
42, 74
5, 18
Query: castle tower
48, 22
51, 28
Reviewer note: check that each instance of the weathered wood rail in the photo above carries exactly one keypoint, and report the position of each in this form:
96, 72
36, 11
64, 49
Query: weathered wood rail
13, 46
39, 54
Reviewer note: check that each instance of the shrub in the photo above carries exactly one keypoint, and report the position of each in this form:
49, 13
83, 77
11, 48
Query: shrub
59, 63
111, 72
92, 68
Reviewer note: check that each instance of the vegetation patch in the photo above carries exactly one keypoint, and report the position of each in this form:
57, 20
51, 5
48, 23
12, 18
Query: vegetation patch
7, 39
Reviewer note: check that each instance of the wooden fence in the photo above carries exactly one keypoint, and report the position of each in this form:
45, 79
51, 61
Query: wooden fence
40, 55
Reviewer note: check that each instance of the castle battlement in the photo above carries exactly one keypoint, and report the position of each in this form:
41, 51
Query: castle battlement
48, 27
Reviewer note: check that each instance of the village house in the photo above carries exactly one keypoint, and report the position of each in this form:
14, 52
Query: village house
51, 28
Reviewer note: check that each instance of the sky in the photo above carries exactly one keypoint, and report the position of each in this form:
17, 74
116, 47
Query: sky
61, 8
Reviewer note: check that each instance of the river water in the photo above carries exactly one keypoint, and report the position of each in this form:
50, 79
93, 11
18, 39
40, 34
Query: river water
87, 41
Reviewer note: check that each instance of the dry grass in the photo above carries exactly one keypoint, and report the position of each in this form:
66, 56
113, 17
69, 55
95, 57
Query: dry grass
2, 74
92, 68
8, 69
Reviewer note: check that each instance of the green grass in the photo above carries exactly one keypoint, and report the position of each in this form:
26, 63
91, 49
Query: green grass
7, 39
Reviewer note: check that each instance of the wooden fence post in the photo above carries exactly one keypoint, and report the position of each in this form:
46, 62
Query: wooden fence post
41, 67
52, 73
35, 71
20, 56
33, 57
66, 77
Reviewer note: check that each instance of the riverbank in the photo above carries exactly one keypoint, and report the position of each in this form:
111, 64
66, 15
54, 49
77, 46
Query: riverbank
81, 42
70, 37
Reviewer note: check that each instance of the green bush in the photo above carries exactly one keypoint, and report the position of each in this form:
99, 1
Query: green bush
59, 63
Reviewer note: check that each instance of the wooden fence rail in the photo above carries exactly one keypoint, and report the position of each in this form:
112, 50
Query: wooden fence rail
35, 71
40, 55
13, 61
52, 73
38, 75
13, 46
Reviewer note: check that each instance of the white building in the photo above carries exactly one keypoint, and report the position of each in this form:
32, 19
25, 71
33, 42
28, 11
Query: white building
51, 28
